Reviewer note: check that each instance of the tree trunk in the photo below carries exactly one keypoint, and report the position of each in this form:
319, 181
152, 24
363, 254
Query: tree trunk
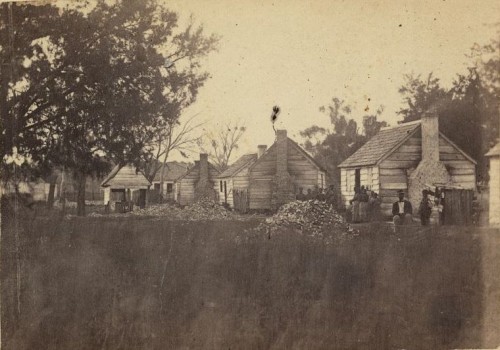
52, 190
162, 176
80, 196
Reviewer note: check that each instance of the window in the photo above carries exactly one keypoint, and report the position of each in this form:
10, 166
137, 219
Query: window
170, 188
157, 186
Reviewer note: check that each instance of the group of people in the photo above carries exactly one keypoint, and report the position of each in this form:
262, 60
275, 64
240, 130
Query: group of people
365, 207
317, 194
402, 210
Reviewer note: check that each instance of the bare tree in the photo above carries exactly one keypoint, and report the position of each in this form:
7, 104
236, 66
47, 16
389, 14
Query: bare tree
222, 143
175, 136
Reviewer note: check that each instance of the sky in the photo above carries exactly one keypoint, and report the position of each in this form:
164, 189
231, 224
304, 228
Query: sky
300, 54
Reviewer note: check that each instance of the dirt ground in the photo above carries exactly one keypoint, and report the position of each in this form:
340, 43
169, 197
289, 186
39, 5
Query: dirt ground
144, 283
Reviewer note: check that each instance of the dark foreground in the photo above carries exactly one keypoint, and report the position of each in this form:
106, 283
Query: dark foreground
140, 283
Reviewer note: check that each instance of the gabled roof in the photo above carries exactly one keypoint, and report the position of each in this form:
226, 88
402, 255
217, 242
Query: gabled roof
299, 149
125, 177
196, 166
495, 151
239, 164
388, 140
385, 141
173, 171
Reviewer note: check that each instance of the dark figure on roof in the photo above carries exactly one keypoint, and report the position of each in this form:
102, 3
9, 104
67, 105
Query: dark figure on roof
301, 196
402, 210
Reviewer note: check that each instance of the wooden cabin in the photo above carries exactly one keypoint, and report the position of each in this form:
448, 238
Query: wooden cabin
276, 176
198, 182
494, 195
411, 157
173, 171
236, 178
125, 185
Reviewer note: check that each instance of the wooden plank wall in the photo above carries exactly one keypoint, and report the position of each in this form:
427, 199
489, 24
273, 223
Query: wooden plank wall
186, 186
303, 173
261, 176
393, 170
369, 177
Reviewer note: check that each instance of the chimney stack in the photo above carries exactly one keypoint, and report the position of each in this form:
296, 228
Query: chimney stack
430, 136
261, 150
203, 167
281, 152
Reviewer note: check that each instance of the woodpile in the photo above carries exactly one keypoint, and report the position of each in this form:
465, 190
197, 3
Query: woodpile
312, 217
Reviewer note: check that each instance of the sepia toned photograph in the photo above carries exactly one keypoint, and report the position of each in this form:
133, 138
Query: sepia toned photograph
252, 174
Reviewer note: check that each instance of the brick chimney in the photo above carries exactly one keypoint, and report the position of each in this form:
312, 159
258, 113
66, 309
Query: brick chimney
281, 152
283, 190
261, 150
203, 167
430, 136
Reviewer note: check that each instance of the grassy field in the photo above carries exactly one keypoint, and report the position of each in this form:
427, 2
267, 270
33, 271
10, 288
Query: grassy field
145, 283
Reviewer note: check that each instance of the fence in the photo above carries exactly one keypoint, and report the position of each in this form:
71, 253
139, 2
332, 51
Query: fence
240, 199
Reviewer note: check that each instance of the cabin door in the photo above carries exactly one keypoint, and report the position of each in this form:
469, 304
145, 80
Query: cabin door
357, 179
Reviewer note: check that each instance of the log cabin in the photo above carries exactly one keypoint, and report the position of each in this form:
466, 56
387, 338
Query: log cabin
125, 184
410, 157
275, 177
198, 182
494, 195
236, 177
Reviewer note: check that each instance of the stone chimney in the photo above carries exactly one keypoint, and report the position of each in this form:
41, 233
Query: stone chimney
430, 171
204, 188
261, 150
283, 190
430, 136
281, 152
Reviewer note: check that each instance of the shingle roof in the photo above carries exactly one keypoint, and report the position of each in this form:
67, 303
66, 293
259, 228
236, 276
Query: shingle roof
380, 144
495, 151
125, 177
240, 163
173, 171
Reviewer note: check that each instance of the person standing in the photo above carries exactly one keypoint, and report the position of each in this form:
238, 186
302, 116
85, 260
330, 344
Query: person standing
355, 206
363, 204
402, 210
374, 205
425, 208
321, 196
301, 195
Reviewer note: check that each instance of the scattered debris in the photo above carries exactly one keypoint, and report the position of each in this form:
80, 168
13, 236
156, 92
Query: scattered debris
311, 217
203, 209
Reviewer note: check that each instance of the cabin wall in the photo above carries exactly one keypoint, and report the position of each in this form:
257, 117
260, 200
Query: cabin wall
185, 189
303, 173
494, 214
393, 171
369, 178
260, 179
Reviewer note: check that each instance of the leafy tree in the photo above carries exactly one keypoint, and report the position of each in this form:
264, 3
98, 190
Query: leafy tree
103, 97
331, 146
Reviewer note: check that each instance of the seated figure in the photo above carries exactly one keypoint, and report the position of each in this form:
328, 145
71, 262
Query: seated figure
402, 210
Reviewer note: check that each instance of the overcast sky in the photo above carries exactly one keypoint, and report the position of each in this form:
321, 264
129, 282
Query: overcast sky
300, 54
